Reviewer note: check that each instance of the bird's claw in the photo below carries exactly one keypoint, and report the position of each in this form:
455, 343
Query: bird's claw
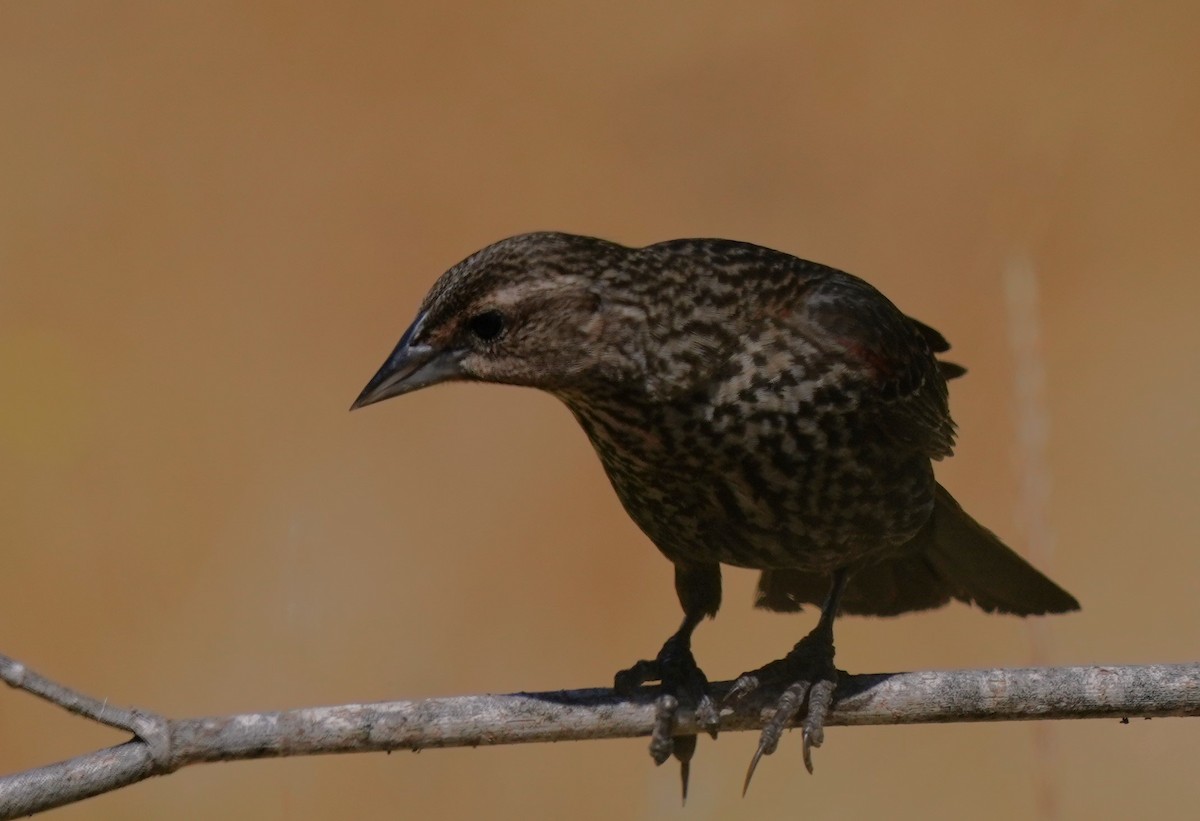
681, 681
745, 684
683, 750
627, 681
812, 679
662, 737
820, 699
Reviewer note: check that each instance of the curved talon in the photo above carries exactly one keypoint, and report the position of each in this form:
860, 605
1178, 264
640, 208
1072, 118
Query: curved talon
685, 748
809, 743
750, 772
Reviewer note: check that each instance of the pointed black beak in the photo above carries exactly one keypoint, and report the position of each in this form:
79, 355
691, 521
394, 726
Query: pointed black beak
411, 366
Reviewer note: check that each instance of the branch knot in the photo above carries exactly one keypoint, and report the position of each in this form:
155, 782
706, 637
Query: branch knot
155, 731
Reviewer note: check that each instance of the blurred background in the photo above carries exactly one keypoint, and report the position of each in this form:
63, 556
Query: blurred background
216, 219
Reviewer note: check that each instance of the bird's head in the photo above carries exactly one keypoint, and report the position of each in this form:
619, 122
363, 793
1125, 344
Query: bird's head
540, 310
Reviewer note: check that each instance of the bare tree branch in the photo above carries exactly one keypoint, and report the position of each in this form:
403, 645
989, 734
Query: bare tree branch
164, 745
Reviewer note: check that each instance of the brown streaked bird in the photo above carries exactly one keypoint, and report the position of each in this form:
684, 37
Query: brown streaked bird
751, 409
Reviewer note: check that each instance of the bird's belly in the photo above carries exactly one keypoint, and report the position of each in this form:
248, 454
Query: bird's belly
786, 490
733, 517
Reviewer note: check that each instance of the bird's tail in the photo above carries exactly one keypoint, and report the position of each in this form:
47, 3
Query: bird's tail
952, 557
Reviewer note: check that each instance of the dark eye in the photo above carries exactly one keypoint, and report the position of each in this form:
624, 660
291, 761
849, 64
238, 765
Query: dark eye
487, 325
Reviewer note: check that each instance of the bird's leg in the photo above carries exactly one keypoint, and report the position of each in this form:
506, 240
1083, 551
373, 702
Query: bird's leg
682, 681
808, 674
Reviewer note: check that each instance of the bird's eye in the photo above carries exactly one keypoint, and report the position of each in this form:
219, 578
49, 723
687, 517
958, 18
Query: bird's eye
487, 325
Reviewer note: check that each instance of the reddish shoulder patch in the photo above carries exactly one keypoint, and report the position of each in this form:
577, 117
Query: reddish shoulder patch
880, 364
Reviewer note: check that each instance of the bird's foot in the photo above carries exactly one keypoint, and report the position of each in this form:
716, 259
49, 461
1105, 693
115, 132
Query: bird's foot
807, 674
683, 683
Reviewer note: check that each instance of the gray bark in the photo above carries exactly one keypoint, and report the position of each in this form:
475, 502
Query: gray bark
163, 745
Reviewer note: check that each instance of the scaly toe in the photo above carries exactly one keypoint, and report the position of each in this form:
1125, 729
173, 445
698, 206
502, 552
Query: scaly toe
708, 717
745, 684
628, 681
662, 738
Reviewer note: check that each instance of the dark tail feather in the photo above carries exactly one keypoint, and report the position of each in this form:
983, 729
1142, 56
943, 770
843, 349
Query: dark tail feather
952, 557
981, 569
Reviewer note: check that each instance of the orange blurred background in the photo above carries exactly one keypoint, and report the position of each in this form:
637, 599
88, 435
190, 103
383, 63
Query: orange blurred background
216, 218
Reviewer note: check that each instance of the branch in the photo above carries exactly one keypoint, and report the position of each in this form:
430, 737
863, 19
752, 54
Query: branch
161, 745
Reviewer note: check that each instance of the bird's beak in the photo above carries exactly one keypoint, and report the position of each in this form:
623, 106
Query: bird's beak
411, 366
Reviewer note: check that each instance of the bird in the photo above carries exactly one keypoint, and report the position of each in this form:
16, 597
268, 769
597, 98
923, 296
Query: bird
750, 408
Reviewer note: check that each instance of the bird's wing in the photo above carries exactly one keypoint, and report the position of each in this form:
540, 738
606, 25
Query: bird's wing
751, 326
889, 361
